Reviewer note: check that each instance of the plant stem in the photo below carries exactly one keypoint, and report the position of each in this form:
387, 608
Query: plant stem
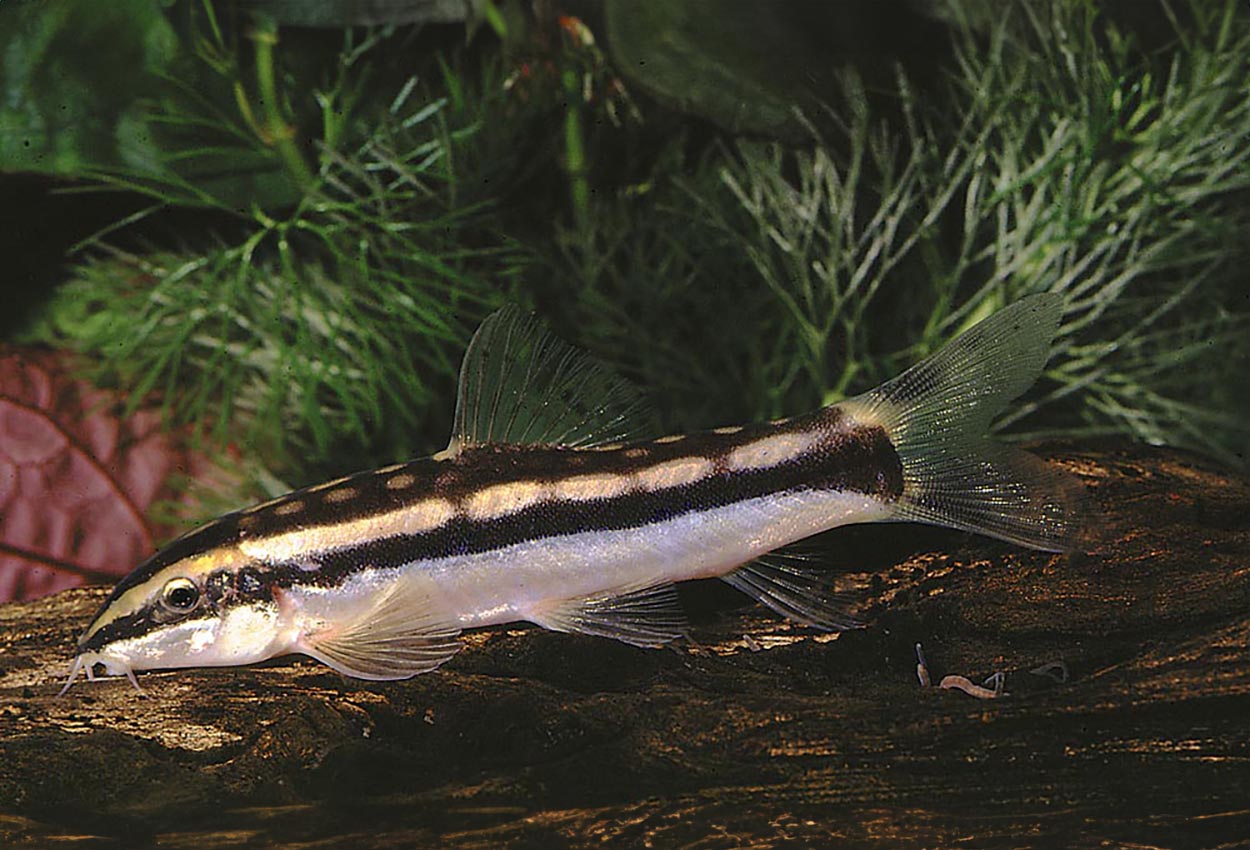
281, 135
575, 152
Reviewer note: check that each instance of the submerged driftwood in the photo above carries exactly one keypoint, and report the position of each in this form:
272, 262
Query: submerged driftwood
1125, 717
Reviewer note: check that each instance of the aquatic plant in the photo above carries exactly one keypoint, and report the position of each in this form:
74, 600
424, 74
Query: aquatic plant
735, 278
292, 330
1064, 158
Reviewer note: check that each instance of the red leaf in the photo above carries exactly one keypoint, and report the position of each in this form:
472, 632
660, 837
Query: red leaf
76, 480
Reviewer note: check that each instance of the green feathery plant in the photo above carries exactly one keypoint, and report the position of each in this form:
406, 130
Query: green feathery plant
1075, 164
746, 280
328, 324
1122, 183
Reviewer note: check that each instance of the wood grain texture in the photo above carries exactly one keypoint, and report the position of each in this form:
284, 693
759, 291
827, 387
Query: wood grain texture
752, 733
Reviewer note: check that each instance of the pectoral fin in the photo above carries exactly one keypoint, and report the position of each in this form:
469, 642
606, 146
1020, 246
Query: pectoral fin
400, 635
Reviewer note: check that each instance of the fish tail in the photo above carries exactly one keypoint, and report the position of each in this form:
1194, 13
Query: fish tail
937, 413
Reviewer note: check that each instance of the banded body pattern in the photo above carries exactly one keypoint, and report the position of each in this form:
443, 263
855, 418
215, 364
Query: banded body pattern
489, 498
550, 505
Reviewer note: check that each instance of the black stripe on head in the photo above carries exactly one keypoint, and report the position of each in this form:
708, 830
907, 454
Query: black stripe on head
221, 591
133, 625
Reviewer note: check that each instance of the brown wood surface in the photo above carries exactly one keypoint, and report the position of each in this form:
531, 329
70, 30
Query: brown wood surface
752, 733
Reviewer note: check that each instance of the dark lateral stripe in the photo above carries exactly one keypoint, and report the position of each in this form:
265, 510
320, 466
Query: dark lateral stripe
860, 461
490, 497
366, 493
842, 456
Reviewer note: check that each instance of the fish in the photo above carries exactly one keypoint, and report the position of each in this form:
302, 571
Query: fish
552, 505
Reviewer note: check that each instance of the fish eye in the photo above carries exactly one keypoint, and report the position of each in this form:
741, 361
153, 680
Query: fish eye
180, 595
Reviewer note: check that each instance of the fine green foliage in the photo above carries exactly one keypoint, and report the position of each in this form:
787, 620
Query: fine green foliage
735, 279
331, 324
1071, 162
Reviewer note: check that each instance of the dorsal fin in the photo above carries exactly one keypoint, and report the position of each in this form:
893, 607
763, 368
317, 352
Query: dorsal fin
520, 384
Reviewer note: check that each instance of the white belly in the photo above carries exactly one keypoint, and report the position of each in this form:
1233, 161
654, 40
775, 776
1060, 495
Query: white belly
508, 584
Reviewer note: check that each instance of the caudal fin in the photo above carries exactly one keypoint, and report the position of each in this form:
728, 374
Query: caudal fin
937, 414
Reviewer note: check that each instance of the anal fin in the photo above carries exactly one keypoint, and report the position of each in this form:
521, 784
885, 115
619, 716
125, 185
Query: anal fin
399, 635
795, 589
650, 616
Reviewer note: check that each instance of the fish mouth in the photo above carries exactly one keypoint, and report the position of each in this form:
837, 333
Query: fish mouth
85, 662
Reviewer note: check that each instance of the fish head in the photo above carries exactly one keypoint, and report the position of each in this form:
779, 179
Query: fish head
200, 602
